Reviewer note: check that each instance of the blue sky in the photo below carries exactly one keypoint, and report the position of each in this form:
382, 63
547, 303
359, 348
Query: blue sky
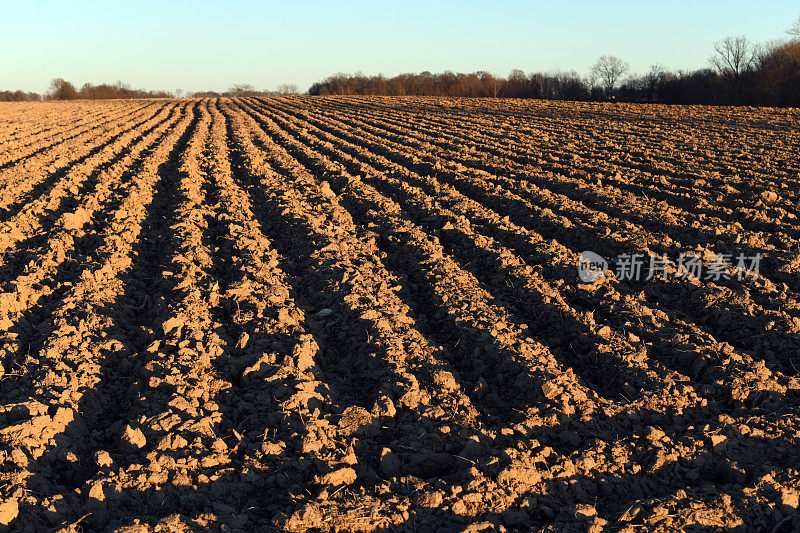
195, 45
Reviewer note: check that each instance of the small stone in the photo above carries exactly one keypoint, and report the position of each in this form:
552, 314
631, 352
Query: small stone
342, 476
654, 434
790, 499
430, 499
134, 437
585, 511
446, 381
718, 442
96, 492
172, 324
353, 419
103, 458
769, 197
272, 448
326, 190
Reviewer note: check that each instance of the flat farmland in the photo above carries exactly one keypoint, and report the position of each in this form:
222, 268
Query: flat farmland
372, 313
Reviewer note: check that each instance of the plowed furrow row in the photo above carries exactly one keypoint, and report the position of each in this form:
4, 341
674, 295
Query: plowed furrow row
453, 148
654, 141
762, 294
531, 297
412, 377
690, 364
483, 147
648, 121
525, 463
31, 123
360, 313
17, 127
80, 179
572, 195
82, 350
519, 209
34, 272
34, 150
442, 263
367, 294
444, 380
168, 420
721, 388
38, 178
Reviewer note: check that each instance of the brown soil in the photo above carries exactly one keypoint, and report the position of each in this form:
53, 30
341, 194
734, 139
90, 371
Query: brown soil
354, 313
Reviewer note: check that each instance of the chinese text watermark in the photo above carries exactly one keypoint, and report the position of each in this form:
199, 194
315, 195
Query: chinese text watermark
639, 266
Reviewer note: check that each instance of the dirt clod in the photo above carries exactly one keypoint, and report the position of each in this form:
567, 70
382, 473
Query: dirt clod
133, 437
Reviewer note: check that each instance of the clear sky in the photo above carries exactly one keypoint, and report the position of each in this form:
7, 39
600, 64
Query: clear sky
194, 45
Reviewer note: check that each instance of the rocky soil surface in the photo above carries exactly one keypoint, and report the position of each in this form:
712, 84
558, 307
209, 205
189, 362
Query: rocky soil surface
366, 314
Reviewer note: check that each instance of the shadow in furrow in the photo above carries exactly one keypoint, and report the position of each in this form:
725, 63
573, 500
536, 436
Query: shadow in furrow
9, 164
103, 410
73, 201
352, 362
31, 247
32, 328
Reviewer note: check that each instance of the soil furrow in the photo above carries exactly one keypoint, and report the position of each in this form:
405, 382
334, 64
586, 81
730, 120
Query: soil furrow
521, 212
82, 332
39, 150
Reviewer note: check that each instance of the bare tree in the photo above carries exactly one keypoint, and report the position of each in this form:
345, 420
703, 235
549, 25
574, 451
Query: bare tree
60, 89
286, 89
491, 82
735, 56
242, 89
608, 70
653, 80
518, 85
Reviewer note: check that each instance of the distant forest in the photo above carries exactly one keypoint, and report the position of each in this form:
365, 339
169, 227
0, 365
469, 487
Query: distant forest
740, 73
61, 89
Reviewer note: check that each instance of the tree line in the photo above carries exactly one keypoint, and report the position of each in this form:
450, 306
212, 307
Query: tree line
247, 89
19, 96
740, 73
60, 89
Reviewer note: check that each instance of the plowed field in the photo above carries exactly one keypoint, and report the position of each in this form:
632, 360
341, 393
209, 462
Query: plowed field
367, 314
